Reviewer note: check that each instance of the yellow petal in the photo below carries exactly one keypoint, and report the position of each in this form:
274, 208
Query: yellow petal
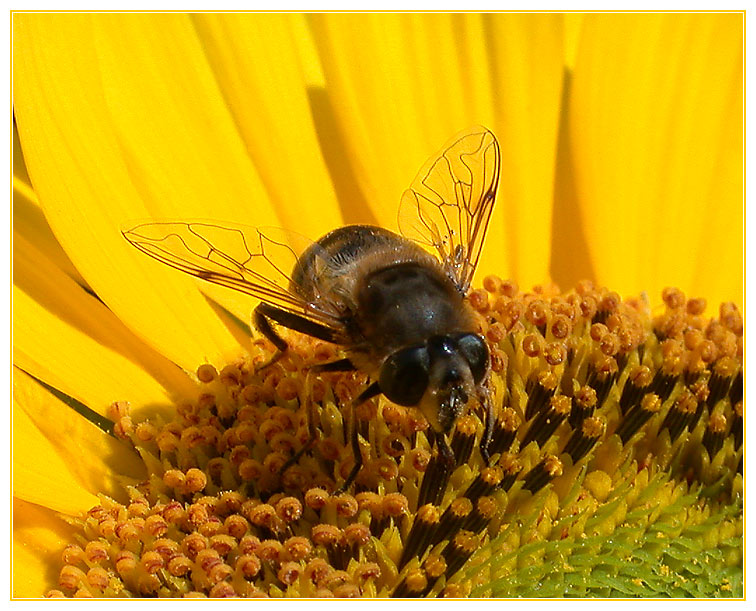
60, 296
370, 71
570, 258
19, 167
255, 60
28, 218
29, 221
719, 264
403, 84
650, 99
39, 537
40, 474
527, 55
95, 459
120, 118
573, 22
61, 355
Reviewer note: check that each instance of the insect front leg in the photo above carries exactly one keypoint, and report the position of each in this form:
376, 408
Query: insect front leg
444, 451
484, 397
265, 312
370, 392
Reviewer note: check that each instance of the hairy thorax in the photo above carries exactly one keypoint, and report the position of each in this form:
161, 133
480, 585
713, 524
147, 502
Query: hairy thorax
391, 292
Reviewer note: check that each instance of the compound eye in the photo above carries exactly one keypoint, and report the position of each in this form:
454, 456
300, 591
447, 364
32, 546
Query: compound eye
474, 349
404, 376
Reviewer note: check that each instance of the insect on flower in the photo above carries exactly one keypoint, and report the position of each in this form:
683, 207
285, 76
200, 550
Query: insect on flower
394, 303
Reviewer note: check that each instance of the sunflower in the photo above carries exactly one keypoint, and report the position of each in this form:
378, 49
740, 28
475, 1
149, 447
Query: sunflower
146, 443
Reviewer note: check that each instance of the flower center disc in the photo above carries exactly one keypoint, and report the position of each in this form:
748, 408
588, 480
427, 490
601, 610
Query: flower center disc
615, 433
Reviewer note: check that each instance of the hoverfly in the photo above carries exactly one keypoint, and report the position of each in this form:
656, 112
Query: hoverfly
394, 303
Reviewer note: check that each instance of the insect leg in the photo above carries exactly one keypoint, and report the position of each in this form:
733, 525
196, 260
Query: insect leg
370, 392
485, 399
265, 312
262, 324
444, 451
340, 365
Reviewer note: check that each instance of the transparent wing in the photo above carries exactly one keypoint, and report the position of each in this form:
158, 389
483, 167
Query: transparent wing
258, 262
448, 206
